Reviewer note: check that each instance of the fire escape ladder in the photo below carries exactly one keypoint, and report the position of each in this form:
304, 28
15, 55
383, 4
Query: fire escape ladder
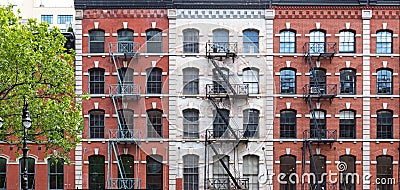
224, 77
226, 121
312, 162
116, 110
313, 74
122, 183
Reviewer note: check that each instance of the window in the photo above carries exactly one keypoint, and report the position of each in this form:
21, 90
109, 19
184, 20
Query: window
384, 172
154, 172
190, 172
318, 131
347, 180
250, 122
221, 122
320, 165
96, 41
127, 172
219, 173
190, 123
3, 173
154, 41
96, 124
287, 41
219, 83
250, 41
96, 81
190, 41
64, 19
250, 170
31, 172
347, 41
125, 75
125, 41
154, 81
288, 81
220, 40
317, 41
288, 124
384, 41
96, 172
154, 123
190, 81
56, 174
347, 124
47, 18
250, 77
384, 81
288, 167
347, 81
384, 124
318, 78
125, 119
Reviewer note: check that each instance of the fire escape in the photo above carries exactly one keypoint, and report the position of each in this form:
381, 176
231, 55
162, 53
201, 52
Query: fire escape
125, 91
219, 94
312, 93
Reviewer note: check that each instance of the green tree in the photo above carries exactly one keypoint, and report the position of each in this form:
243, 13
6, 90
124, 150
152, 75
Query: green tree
33, 64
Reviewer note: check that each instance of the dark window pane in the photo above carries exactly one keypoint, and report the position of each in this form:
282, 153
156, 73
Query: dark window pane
384, 81
347, 124
347, 81
288, 124
384, 123
288, 81
154, 172
30, 170
190, 81
96, 172
288, 166
190, 123
96, 41
96, 124
250, 122
221, 122
190, 172
154, 41
154, 81
154, 124
96, 81
190, 41
384, 172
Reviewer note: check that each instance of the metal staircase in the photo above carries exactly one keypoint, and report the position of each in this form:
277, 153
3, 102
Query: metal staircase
217, 94
121, 55
311, 92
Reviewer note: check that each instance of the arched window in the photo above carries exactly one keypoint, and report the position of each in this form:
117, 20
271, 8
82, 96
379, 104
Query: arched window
96, 124
347, 124
154, 123
250, 41
384, 124
125, 75
154, 41
384, 81
287, 41
250, 77
219, 172
318, 131
219, 83
288, 81
96, 41
190, 123
250, 122
3, 173
190, 41
96, 172
126, 174
30, 168
154, 172
250, 170
317, 41
190, 80
220, 40
221, 122
318, 78
125, 41
384, 41
288, 124
126, 121
288, 167
56, 173
96, 81
320, 165
154, 81
347, 41
190, 172
347, 180
384, 172
347, 81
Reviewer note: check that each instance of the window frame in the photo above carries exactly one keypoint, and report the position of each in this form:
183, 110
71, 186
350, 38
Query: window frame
218, 80
220, 40
126, 119
287, 165
347, 40
125, 41
97, 175
348, 78
47, 18
190, 40
288, 125
317, 41
345, 182
251, 77
154, 160
97, 86
219, 125
154, 38
285, 75
251, 170
154, 123
219, 172
58, 175
98, 130
384, 125
65, 19
3, 173
319, 159
347, 124
251, 123
251, 40
190, 124
321, 120
31, 171
124, 159
382, 81
190, 81
95, 38
286, 42
321, 78
382, 42
191, 172
381, 168
154, 80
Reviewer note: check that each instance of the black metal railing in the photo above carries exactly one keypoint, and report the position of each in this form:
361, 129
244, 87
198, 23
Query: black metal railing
221, 47
219, 89
127, 89
324, 185
320, 48
322, 89
124, 183
226, 134
226, 183
320, 134
125, 47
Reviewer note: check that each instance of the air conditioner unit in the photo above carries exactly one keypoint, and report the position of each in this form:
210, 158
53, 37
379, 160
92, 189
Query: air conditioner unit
314, 90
